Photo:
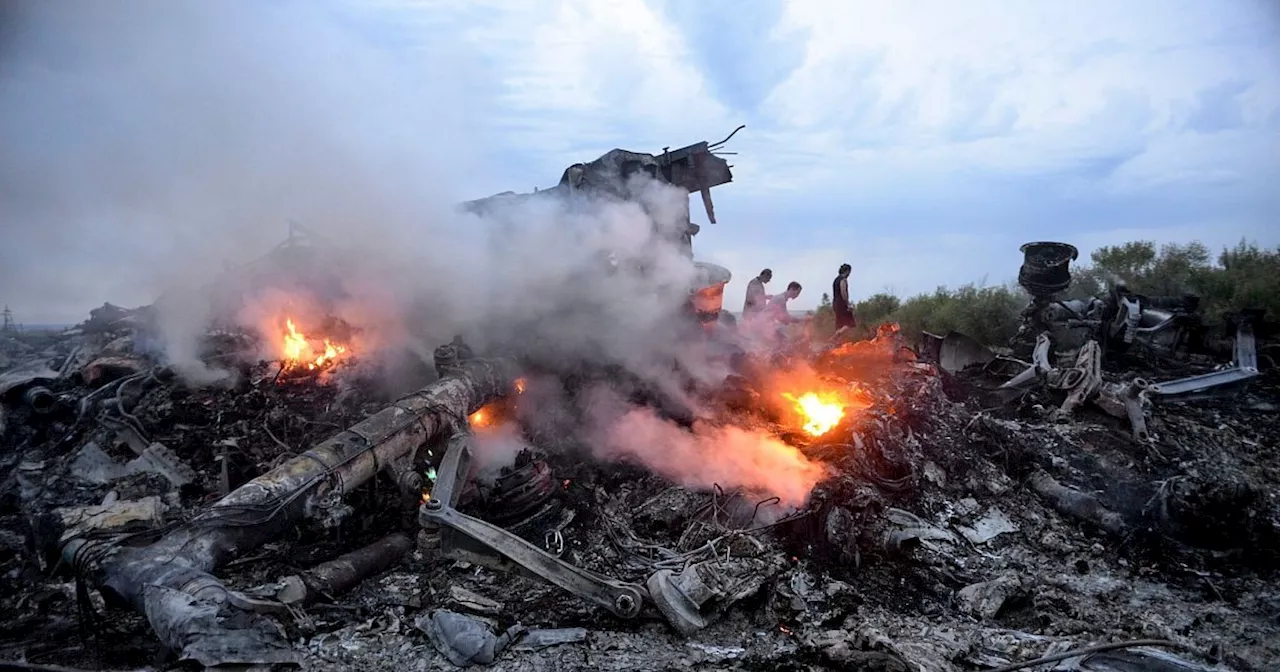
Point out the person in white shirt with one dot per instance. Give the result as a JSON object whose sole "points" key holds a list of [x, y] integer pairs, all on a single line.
{"points": [[757, 300], [777, 308]]}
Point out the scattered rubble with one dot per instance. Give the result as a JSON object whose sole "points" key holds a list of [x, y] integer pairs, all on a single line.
{"points": [[960, 524]]}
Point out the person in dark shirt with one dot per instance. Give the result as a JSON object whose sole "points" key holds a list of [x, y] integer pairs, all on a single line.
{"points": [[756, 298], [840, 299]]}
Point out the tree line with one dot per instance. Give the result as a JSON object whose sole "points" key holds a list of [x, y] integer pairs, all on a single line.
{"points": [[1246, 276]]}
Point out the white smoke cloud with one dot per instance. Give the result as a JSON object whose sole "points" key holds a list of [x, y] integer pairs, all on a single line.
{"points": [[712, 455], [181, 137]]}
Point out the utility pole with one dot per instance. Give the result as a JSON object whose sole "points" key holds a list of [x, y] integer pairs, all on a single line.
{"points": [[7, 327]]}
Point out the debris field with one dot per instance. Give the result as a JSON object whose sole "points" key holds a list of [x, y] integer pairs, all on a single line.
{"points": [[951, 528], [1102, 496]]}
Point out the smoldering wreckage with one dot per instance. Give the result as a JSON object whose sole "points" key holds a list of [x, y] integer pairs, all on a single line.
{"points": [[1099, 496]]}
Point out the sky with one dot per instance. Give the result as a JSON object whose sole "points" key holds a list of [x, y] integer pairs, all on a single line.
{"points": [[920, 142]]}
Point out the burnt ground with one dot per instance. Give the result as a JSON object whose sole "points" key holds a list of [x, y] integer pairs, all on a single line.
{"points": [[926, 548]]}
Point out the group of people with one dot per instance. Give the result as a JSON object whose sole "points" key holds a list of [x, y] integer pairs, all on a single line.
{"points": [[761, 307]]}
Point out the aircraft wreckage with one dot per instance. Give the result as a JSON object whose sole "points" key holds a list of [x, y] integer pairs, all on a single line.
{"points": [[943, 507]]}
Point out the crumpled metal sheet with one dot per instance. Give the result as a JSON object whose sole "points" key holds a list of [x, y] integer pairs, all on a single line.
{"points": [[464, 640], [20, 378], [213, 635]]}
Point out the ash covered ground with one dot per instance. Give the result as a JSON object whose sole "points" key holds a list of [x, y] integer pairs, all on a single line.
{"points": [[930, 541]]}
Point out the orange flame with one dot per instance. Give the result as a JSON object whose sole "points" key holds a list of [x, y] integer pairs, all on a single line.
{"points": [[480, 418], [820, 412], [294, 343], [520, 385], [298, 350]]}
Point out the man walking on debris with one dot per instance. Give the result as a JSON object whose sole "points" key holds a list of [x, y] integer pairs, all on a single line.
{"points": [[756, 298], [777, 310], [778, 304], [840, 300]]}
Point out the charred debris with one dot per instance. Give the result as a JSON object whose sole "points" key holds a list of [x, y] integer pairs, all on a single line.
{"points": [[1099, 496]]}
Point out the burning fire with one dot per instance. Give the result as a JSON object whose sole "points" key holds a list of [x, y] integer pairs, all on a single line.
{"points": [[299, 352], [820, 412], [495, 413], [481, 418]]}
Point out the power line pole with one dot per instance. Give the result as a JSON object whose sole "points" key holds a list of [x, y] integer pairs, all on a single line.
{"points": [[7, 327]]}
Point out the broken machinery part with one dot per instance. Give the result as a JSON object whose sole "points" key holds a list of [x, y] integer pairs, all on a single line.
{"points": [[1243, 368], [464, 537]]}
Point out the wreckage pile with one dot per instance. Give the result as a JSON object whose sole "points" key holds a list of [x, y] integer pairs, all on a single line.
{"points": [[955, 527]]}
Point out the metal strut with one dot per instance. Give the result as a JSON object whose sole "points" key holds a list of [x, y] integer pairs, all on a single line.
{"points": [[464, 537]]}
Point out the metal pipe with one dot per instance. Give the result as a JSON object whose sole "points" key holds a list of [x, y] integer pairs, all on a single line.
{"points": [[1078, 504], [341, 574]]}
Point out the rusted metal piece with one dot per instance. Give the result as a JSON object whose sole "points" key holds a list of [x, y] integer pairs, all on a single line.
{"points": [[154, 579], [106, 369]]}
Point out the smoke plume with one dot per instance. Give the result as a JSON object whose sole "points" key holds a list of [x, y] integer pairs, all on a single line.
{"points": [[156, 149], [711, 455]]}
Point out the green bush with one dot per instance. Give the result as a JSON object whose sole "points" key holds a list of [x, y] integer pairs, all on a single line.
{"points": [[1245, 276], [988, 314], [876, 308]]}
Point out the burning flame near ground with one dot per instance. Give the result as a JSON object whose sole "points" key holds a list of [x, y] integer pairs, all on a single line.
{"points": [[815, 404], [298, 351], [820, 412]]}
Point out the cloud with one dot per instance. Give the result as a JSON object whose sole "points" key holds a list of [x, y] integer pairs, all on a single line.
{"points": [[1043, 87], [919, 141], [146, 145]]}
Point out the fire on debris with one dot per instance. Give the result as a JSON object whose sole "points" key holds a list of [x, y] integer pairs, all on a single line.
{"points": [[865, 504], [481, 418], [820, 412], [300, 353]]}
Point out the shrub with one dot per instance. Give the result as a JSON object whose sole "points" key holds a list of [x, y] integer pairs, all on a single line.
{"points": [[1245, 276]]}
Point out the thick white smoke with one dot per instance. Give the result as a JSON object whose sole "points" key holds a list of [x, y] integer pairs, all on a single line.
{"points": [[173, 141]]}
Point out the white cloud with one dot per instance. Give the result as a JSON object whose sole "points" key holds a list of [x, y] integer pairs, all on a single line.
{"points": [[585, 76], [1114, 107], [1048, 83]]}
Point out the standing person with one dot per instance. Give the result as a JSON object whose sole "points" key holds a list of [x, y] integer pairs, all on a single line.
{"points": [[840, 299], [756, 298]]}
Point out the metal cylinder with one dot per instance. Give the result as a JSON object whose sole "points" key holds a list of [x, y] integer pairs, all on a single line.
{"points": [[1046, 267], [40, 399]]}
